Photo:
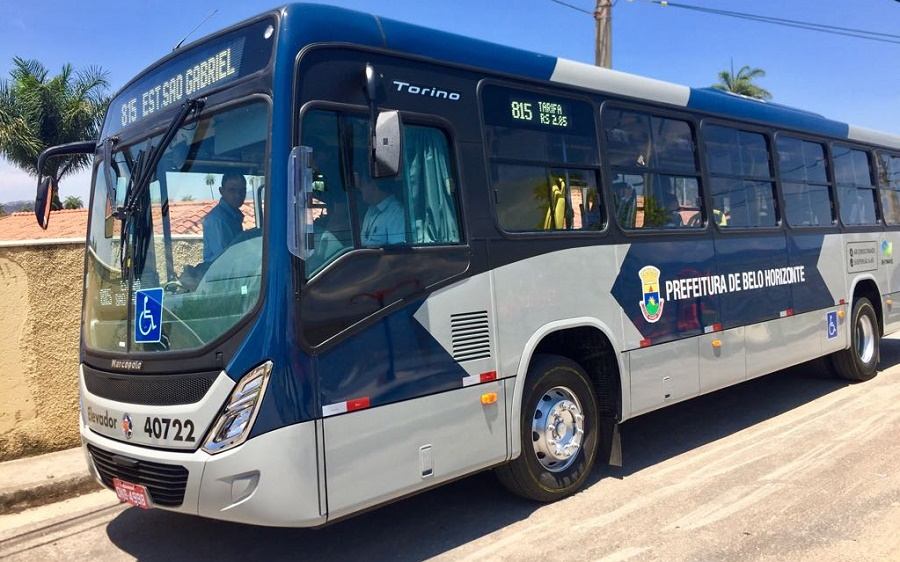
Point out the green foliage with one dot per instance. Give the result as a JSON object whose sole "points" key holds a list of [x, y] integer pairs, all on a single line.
{"points": [[73, 202], [2, 211], [187, 197], [38, 111], [655, 214], [742, 82]]}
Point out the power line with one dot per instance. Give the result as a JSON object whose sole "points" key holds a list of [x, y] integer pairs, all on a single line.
{"points": [[797, 24], [577, 9], [822, 28]]}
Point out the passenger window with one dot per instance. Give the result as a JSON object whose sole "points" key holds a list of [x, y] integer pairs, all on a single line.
{"points": [[856, 192], [656, 181], [545, 198], [350, 209], [544, 161], [889, 179], [805, 188], [742, 186]]}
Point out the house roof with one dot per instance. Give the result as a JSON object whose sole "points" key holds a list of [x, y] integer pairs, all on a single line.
{"points": [[185, 216]]}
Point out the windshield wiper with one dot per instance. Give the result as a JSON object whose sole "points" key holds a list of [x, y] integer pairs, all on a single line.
{"points": [[145, 172], [137, 231]]}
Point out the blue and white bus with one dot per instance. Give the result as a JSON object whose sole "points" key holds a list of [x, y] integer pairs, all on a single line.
{"points": [[446, 256]]}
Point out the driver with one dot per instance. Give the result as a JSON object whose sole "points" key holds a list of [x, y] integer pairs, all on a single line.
{"points": [[225, 222]]}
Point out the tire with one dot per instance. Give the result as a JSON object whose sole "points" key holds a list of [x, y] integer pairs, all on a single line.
{"points": [[859, 362], [556, 388]]}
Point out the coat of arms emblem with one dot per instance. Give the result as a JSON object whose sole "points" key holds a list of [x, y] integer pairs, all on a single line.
{"points": [[651, 303]]}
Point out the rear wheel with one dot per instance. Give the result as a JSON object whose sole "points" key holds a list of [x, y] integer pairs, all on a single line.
{"points": [[859, 362], [558, 430]]}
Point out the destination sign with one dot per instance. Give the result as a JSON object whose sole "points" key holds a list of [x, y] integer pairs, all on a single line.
{"points": [[542, 112], [214, 70], [204, 67]]}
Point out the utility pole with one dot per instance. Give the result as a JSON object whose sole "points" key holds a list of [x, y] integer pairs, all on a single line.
{"points": [[603, 17]]}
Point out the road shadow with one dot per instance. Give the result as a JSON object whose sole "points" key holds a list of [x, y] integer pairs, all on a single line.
{"points": [[437, 521]]}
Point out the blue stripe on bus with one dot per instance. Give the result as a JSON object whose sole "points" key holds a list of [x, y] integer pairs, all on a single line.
{"points": [[315, 24], [445, 46], [739, 108], [392, 360], [745, 266]]}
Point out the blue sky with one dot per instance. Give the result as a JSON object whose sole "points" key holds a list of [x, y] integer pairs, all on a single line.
{"points": [[847, 79]]}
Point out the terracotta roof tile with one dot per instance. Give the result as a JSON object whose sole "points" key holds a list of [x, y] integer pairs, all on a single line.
{"points": [[186, 217]]}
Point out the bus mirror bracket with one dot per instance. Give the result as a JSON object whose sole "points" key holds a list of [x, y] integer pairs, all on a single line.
{"points": [[44, 198], [385, 132]]}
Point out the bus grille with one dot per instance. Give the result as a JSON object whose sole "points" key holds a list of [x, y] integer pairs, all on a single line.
{"points": [[471, 333], [164, 482], [149, 390]]}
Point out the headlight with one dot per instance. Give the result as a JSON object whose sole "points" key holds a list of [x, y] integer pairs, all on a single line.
{"points": [[236, 419]]}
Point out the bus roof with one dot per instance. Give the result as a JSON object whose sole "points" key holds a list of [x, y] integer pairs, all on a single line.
{"points": [[318, 24]]}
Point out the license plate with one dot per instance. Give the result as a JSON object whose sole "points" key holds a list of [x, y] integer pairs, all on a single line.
{"points": [[133, 494]]}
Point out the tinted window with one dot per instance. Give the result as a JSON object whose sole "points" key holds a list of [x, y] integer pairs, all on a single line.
{"points": [[889, 179], [529, 126], [807, 199], [544, 161], [856, 193], [655, 180], [419, 207], [742, 187], [533, 198]]}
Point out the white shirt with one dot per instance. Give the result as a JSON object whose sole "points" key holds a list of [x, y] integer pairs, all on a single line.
{"points": [[383, 223]]}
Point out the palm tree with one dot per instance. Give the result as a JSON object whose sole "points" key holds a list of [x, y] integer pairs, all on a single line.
{"points": [[211, 181], [742, 82], [73, 202], [37, 111]]}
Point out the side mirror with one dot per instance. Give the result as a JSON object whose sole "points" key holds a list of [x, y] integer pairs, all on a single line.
{"points": [[42, 202], [387, 143], [300, 188]]}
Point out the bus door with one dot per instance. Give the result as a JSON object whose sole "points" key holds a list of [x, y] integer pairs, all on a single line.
{"points": [[402, 345]]}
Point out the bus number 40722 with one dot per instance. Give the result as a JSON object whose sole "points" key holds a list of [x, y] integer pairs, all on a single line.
{"points": [[159, 428]]}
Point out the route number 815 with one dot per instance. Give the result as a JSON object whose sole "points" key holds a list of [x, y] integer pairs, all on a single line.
{"points": [[159, 428]]}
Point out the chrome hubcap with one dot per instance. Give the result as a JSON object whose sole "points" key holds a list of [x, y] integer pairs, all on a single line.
{"points": [[557, 429], [865, 339]]}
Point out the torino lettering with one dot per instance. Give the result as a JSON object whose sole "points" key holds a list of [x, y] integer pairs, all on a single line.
{"points": [[423, 91]]}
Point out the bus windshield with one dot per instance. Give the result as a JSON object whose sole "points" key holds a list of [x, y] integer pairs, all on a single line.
{"points": [[187, 250]]}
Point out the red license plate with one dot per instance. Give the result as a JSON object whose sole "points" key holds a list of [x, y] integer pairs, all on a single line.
{"points": [[134, 494]]}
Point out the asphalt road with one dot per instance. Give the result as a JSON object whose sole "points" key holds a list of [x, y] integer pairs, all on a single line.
{"points": [[793, 466]]}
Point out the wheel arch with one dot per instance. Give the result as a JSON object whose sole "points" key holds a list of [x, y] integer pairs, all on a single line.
{"points": [[867, 287], [589, 343]]}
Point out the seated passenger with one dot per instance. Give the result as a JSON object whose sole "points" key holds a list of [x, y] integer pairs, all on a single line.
{"points": [[673, 211], [384, 221], [225, 222], [333, 235]]}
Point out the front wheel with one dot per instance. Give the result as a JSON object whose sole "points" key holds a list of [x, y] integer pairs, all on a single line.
{"points": [[558, 431], [859, 362]]}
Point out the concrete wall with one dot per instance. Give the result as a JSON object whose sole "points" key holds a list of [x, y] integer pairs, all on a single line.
{"points": [[40, 311]]}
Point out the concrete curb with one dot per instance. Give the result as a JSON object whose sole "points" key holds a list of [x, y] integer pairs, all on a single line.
{"points": [[43, 479], [54, 490]]}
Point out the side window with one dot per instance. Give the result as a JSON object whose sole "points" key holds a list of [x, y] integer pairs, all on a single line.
{"points": [[856, 192], [889, 179], [351, 209], [544, 161], [742, 186], [656, 181], [804, 182]]}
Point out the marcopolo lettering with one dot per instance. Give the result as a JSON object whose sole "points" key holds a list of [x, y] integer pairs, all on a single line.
{"points": [[426, 91], [103, 420]]}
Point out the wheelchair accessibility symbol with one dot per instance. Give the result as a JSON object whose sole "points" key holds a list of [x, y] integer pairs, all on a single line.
{"points": [[831, 321], [148, 316]]}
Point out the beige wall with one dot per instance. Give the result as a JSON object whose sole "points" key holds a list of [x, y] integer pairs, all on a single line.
{"points": [[40, 309]]}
